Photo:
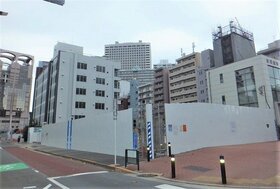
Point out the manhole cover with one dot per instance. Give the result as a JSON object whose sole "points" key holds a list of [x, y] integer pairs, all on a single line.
{"points": [[197, 168]]}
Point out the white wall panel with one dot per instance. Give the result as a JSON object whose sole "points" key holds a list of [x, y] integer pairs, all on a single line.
{"points": [[94, 134], [216, 125]]}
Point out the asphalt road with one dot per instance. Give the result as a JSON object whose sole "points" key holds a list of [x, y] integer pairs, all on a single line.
{"points": [[16, 174], [26, 169]]}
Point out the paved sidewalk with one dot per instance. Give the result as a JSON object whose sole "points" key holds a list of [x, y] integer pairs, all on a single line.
{"points": [[246, 165]]}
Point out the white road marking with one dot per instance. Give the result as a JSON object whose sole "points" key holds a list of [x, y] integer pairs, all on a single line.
{"points": [[166, 186], [29, 187], [80, 174], [47, 187], [1, 148], [52, 179], [58, 183], [36, 170]]}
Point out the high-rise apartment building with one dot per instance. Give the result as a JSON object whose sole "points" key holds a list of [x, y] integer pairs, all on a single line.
{"points": [[74, 86], [207, 59], [131, 55], [273, 50], [143, 76], [161, 90], [182, 79], [232, 43], [15, 88], [146, 94], [164, 64]]}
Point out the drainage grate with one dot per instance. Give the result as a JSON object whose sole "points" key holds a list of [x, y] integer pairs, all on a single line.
{"points": [[197, 168]]}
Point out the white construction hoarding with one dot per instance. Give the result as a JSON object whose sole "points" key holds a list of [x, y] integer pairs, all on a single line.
{"points": [[93, 134], [192, 126]]}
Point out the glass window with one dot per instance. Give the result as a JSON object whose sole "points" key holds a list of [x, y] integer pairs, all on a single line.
{"points": [[270, 71], [246, 87]]}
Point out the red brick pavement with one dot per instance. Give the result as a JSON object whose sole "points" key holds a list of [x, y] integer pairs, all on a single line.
{"points": [[51, 165], [251, 164]]}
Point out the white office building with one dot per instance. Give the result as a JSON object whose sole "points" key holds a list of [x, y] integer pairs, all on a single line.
{"points": [[253, 82], [75, 85], [130, 55]]}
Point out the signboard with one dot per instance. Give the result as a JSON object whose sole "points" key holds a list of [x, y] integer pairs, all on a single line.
{"points": [[135, 141]]}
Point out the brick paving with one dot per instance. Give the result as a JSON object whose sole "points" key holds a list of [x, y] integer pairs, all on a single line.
{"points": [[251, 165], [246, 165]]}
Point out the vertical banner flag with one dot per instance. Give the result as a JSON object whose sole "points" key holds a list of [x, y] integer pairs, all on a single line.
{"points": [[150, 132]]}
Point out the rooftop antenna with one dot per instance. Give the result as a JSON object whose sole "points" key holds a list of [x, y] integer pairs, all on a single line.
{"points": [[193, 46], [181, 51]]}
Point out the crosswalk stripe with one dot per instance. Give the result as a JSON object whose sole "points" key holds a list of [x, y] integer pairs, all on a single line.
{"points": [[47, 187]]}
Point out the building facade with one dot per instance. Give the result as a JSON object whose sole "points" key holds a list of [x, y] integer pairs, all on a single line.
{"points": [[273, 50], [40, 93], [77, 85], [143, 76], [207, 59], [164, 64], [161, 90], [146, 93], [232, 43], [130, 55], [183, 79], [133, 97], [254, 82], [15, 84]]}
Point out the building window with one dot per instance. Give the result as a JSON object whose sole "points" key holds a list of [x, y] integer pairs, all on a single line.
{"points": [[79, 116], [221, 78], [81, 91], [80, 105], [99, 106], [100, 69], [116, 95], [223, 99], [99, 93], [116, 72], [274, 76], [246, 87], [82, 65], [100, 81], [81, 78], [116, 84]]}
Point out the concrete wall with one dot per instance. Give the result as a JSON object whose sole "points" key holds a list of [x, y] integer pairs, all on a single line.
{"points": [[216, 125], [94, 134]]}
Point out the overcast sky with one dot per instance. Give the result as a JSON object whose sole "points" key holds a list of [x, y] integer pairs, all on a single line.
{"points": [[35, 26]]}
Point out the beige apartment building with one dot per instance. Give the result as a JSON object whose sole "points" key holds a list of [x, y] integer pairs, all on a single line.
{"points": [[182, 79]]}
